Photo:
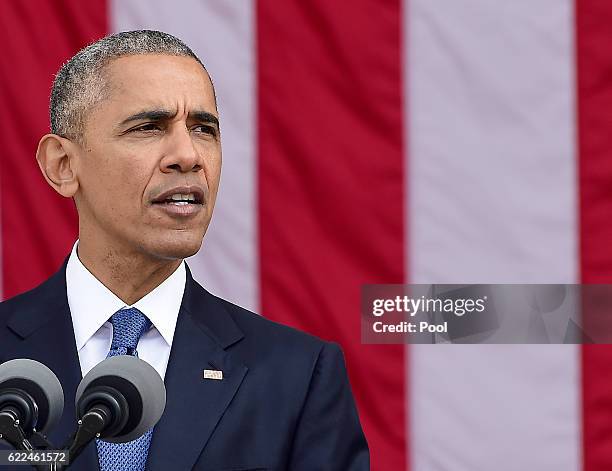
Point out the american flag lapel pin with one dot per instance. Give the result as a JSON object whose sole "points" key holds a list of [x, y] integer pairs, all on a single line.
{"points": [[213, 374]]}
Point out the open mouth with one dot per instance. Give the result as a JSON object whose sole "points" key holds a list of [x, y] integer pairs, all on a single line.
{"points": [[181, 202], [180, 199]]}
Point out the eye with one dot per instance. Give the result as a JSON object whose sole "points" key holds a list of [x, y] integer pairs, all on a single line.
{"points": [[205, 129], [146, 127]]}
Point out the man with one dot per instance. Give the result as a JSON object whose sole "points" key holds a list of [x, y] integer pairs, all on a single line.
{"points": [[136, 143]]}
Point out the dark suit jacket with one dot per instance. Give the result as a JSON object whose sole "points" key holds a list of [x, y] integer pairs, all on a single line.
{"points": [[284, 402]]}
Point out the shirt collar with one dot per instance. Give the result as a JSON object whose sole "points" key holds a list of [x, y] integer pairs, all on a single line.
{"points": [[92, 304]]}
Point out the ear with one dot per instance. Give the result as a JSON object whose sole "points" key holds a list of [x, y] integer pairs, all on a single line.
{"points": [[57, 162]]}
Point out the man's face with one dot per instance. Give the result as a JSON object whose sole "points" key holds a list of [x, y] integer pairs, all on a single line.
{"points": [[150, 162]]}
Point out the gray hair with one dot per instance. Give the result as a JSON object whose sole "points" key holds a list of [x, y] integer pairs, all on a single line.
{"points": [[79, 84]]}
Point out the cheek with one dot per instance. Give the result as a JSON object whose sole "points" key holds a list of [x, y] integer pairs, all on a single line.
{"points": [[213, 169], [114, 184]]}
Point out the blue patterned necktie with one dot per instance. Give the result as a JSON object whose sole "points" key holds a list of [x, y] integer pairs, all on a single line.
{"points": [[128, 327]]}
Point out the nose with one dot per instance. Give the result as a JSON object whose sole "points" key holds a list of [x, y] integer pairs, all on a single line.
{"points": [[180, 154]]}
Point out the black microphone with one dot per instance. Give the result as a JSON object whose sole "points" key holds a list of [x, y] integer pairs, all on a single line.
{"points": [[118, 401], [31, 400]]}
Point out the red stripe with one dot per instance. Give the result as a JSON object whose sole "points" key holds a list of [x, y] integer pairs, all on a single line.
{"points": [[594, 63], [38, 226], [331, 187]]}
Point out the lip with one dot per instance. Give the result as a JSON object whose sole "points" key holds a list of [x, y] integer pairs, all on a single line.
{"points": [[180, 210], [197, 191]]}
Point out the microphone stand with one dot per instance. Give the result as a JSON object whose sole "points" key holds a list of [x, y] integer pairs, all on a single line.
{"points": [[12, 432], [89, 428]]}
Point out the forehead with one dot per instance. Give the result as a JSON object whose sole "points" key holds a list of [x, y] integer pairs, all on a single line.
{"points": [[158, 80]]}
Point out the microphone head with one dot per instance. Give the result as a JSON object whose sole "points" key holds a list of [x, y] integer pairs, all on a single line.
{"points": [[41, 384], [142, 389]]}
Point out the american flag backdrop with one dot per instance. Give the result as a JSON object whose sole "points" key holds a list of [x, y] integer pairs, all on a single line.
{"points": [[376, 141]]}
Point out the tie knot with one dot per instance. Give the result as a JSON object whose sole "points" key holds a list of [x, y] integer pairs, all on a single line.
{"points": [[128, 327]]}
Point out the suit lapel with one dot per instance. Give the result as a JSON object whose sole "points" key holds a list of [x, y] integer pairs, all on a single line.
{"points": [[45, 328], [195, 405]]}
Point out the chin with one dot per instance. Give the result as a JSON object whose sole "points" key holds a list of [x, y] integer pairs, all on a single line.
{"points": [[176, 248]]}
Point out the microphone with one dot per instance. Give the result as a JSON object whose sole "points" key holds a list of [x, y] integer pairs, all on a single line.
{"points": [[118, 401], [31, 400]]}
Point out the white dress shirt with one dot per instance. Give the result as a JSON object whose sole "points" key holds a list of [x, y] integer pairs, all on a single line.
{"points": [[92, 304]]}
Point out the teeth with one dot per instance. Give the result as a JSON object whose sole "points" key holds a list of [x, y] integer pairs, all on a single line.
{"points": [[182, 197]]}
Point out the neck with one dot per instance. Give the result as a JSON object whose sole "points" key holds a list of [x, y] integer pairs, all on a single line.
{"points": [[130, 276]]}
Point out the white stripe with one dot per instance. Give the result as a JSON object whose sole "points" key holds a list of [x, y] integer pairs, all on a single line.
{"points": [[491, 198], [222, 35]]}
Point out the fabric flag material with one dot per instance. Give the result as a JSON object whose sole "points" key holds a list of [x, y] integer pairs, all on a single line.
{"points": [[377, 142]]}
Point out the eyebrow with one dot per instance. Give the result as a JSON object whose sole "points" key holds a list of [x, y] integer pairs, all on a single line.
{"points": [[162, 115]]}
